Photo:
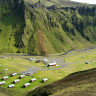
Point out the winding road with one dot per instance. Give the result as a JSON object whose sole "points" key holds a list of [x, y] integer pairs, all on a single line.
{"points": [[60, 60]]}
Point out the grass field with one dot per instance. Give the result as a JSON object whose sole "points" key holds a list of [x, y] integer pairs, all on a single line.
{"points": [[24, 80], [59, 74], [2, 94], [17, 65], [81, 83], [81, 57], [20, 65]]}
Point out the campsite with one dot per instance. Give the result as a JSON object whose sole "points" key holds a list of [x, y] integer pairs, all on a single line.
{"points": [[47, 48], [69, 63]]}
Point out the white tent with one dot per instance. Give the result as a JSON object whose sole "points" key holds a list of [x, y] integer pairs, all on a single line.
{"points": [[10, 86]]}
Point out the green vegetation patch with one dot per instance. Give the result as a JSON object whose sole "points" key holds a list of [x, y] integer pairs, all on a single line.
{"points": [[17, 65], [81, 57]]}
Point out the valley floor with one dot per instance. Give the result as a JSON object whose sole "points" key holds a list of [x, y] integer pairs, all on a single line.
{"points": [[69, 63]]}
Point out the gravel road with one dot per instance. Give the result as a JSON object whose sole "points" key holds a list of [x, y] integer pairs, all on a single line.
{"points": [[32, 70], [59, 60]]}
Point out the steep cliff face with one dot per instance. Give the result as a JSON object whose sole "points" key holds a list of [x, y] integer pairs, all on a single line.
{"points": [[12, 25], [36, 28]]}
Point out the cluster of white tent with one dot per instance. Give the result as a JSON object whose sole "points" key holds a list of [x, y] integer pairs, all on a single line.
{"points": [[34, 79], [18, 80], [22, 76], [15, 81]]}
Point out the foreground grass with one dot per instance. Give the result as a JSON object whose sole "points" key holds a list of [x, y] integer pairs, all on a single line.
{"points": [[78, 90], [12, 92], [3, 94], [82, 83], [75, 86]]}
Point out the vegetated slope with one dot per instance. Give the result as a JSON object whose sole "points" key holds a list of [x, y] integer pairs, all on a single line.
{"points": [[77, 84], [11, 92], [40, 28], [11, 25]]}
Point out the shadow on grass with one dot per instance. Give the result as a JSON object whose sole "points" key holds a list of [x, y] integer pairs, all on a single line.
{"points": [[19, 78], [22, 86], [11, 76], [2, 79], [12, 82], [29, 81], [41, 82]]}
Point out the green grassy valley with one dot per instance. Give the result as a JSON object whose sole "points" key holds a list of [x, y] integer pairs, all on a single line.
{"points": [[74, 64], [59, 31]]}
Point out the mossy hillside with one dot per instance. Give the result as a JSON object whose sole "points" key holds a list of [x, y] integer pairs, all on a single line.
{"points": [[57, 34], [42, 30], [11, 26], [9, 35]]}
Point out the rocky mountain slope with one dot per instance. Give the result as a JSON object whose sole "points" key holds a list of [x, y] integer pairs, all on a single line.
{"points": [[44, 27]]}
